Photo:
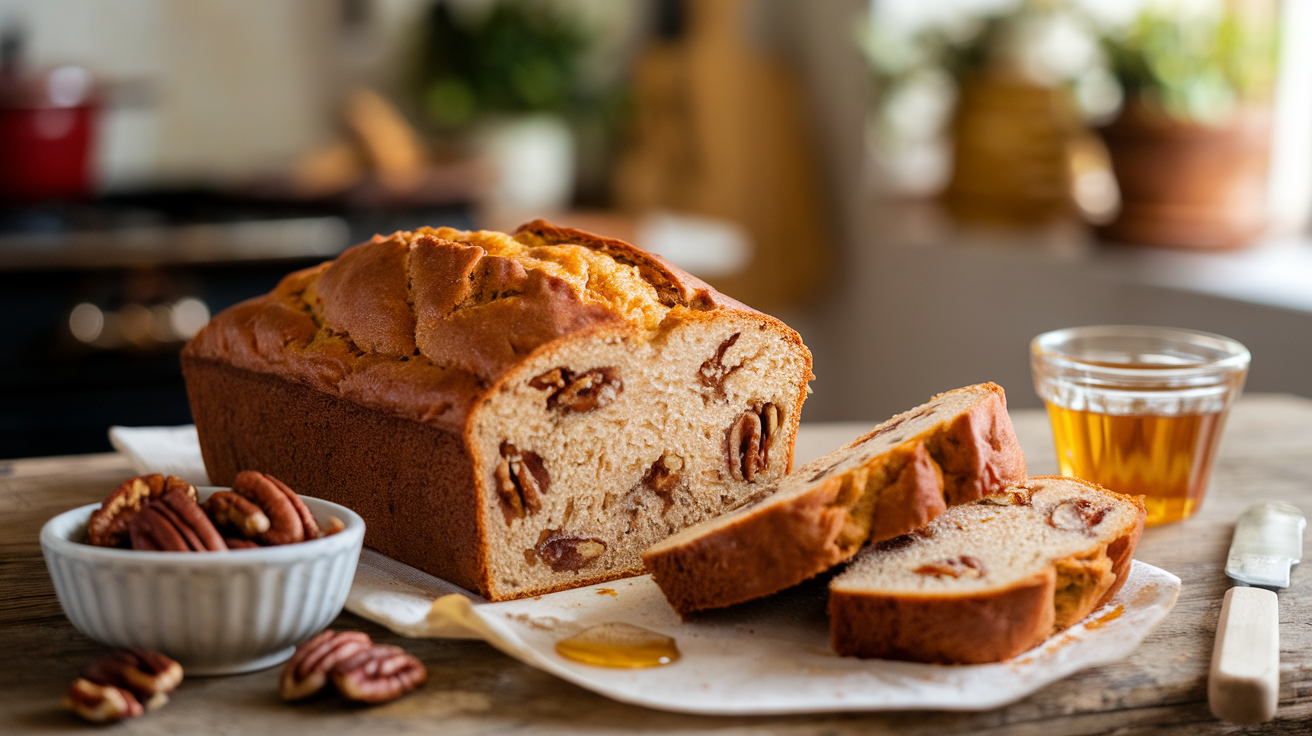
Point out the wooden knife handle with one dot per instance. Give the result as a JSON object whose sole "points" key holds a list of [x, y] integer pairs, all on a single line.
{"points": [[1244, 683]]}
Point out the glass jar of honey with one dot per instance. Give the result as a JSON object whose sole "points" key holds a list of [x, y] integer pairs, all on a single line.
{"points": [[1139, 410]]}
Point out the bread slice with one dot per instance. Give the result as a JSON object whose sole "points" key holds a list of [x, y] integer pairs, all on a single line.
{"points": [[988, 580], [896, 478]]}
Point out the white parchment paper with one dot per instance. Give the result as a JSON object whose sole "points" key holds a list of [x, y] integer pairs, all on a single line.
{"points": [[770, 656]]}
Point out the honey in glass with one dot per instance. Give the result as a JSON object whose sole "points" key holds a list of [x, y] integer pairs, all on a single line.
{"points": [[1139, 410], [1166, 459]]}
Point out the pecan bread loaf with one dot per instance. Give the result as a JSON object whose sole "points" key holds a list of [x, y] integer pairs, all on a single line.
{"points": [[897, 477], [515, 414], [988, 580]]}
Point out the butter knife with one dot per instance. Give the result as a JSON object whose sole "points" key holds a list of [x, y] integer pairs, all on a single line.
{"points": [[1244, 682]]}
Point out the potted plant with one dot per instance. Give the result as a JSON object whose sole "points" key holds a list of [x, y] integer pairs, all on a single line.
{"points": [[501, 76], [1190, 148]]}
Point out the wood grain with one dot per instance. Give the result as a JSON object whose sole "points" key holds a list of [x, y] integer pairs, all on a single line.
{"points": [[1160, 689]]}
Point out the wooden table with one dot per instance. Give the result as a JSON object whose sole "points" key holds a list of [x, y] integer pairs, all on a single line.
{"points": [[472, 688]]}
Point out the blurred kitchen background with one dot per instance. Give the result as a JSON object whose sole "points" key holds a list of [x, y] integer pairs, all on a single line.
{"points": [[918, 186]]}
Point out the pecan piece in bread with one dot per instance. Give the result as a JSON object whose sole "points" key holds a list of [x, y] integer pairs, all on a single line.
{"points": [[307, 672], [521, 479], [108, 526], [749, 441], [579, 393], [713, 372], [567, 551], [174, 523], [1077, 515], [378, 674], [289, 519]]}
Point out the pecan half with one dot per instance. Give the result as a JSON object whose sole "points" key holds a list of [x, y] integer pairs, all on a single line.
{"points": [[101, 703], [232, 510], [563, 552], [1077, 515], [115, 686], [108, 526], [713, 372], [150, 676], [578, 393], [307, 672], [964, 566], [174, 523], [289, 519], [521, 481], [749, 439], [378, 674]]}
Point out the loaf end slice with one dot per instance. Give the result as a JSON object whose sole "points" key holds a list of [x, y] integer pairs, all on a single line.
{"points": [[988, 580], [896, 478]]}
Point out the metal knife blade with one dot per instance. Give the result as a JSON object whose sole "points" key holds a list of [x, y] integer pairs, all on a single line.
{"points": [[1268, 540]]}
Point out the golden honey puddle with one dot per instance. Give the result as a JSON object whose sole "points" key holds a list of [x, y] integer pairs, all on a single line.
{"points": [[1106, 618], [618, 645]]}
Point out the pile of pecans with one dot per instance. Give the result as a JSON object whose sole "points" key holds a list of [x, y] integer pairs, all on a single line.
{"points": [[161, 513], [358, 668], [124, 684]]}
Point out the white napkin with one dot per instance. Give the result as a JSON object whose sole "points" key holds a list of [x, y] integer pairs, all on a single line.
{"points": [[768, 656], [167, 450]]}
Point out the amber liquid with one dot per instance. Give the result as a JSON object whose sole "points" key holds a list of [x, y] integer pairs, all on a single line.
{"points": [[1167, 459], [619, 645]]}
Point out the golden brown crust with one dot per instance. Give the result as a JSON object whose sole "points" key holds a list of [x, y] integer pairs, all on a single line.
{"points": [[755, 556], [902, 490], [940, 629], [411, 482]]}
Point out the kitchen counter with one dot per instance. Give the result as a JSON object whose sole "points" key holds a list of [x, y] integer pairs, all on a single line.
{"points": [[472, 688]]}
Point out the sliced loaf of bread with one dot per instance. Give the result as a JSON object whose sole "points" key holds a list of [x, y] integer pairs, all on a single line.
{"points": [[990, 579], [896, 478]]}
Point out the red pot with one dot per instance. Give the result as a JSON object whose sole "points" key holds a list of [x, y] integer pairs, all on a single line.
{"points": [[46, 125], [1189, 185]]}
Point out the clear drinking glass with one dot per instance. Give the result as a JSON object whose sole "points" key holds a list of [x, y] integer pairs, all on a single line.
{"points": [[1139, 410]]}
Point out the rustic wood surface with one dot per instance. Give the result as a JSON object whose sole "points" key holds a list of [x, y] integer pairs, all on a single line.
{"points": [[1160, 688]]}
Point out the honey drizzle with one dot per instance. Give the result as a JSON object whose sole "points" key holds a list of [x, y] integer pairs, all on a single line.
{"points": [[1106, 618], [619, 645]]}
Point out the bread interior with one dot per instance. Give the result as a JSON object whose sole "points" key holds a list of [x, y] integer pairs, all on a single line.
{"points": [[652, 461]]}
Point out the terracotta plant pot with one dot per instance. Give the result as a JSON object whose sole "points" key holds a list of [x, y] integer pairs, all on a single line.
{"points": [[1188, 185]]}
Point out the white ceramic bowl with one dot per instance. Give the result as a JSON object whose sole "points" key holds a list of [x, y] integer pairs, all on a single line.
{"points": [[215, 612]]}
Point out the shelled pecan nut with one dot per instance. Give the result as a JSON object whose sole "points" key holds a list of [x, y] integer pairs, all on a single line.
{"points": [[108, 525], [232, 510], [289, 519], [1077, 515], [582, 392], [308, 670], [521, 481], [378, 674], [749, 441], [564, 552], [174, 522], [123, 684], [101, 703], [964, 566], [150, 676]]}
